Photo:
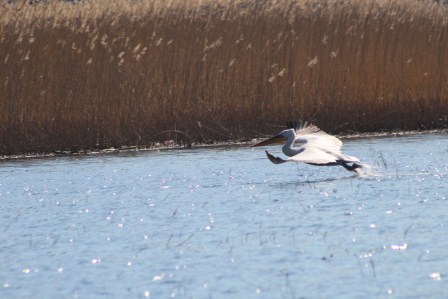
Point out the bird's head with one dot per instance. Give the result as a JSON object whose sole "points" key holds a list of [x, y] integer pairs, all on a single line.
{"points": [[277, 139]]}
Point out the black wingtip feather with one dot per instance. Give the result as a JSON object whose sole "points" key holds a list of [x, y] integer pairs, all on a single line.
{"points": [[292, 125], [296, 125]]}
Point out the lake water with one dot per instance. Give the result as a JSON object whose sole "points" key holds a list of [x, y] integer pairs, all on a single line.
{"points": [[226, 223]]}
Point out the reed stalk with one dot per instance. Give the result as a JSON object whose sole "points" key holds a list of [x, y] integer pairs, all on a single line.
{"points": [[100, 74]]}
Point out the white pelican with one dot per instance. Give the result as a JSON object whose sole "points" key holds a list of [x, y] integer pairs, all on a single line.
{"points": [[317, 147]]}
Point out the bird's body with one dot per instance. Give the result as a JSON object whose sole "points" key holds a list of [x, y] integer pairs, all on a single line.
{"points": [[308, 144]]}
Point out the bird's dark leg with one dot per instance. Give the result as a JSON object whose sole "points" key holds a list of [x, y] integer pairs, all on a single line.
{"points": [[342, 163], [352, 167], [275, 160]]}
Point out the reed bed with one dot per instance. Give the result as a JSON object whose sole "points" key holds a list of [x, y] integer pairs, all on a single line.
{"points": [[100, 74]]}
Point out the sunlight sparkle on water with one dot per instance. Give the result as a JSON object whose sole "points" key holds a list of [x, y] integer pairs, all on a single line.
{"points": [[435, 276], [250, 229], [399, 247], [158, 277]]}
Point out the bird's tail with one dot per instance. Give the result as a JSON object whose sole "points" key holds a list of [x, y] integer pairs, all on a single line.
{"points": [[350, 159]]}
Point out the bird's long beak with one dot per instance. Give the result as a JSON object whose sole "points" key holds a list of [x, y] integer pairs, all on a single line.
{"points": [[273, 140]]}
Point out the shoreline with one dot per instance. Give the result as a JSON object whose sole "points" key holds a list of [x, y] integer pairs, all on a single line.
{"points": [[160, 147], [91, 76]]}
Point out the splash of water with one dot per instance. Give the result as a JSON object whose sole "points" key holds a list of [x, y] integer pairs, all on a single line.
{"points": [[366, 171]]}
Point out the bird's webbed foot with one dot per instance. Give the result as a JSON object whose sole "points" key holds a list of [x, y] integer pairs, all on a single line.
{"points": [[352, 167], [275, 160]]}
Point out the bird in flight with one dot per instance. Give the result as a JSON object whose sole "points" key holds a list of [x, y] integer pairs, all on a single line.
{"points": [[304, 142]]}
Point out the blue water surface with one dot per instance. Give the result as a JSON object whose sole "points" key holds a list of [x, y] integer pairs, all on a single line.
{"points": [[226, 223]]}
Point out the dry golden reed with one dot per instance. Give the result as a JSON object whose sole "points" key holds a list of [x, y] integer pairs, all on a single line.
{"points": [[101, 74]]}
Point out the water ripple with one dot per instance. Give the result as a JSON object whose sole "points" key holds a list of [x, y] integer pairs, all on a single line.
{"points": [[226, 222]]}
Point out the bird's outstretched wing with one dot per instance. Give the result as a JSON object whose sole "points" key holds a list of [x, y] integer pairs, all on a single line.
{"points": [[302, 128], [313, 155], [315, 137]]}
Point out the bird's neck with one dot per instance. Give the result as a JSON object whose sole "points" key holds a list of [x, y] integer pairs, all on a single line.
{"points": [[288, 149]]}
